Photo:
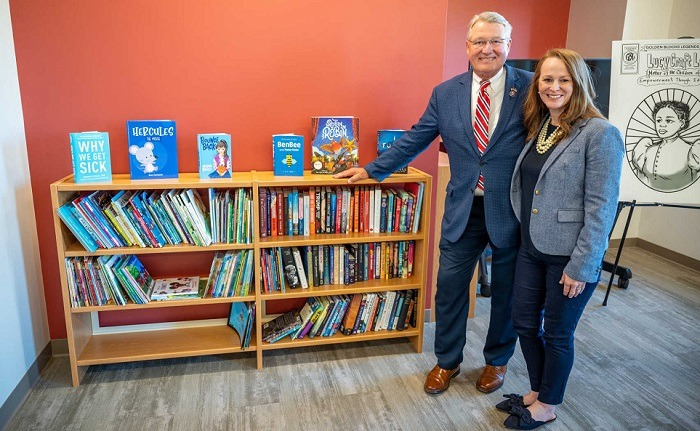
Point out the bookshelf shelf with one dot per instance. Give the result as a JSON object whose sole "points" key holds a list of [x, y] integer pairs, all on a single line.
{"points": [[338, 338], [164, 304], [76, 249], [160, 344], [341, 289], [332, 239], [88, 345]]}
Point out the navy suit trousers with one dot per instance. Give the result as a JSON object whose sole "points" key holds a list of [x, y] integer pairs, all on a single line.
{"points": [[548, 347], [457, 262]]}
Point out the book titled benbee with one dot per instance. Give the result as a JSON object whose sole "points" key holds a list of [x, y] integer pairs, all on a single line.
{"points": [[385, 138], [334, 143], [90, 154], [288, 155], [152, 149], [214, 155]]}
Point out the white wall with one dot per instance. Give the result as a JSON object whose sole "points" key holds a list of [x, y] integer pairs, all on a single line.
{"points": [[671, 228], [24, 331]]}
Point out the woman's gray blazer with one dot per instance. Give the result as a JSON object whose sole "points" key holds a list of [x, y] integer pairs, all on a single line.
{"points": [[575, 198]]}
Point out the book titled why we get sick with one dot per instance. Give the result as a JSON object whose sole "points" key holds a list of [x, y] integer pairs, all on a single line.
{"points": [[90, 155], [152, 149]]}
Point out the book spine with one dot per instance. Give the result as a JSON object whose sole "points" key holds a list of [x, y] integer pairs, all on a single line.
{"points": [[300, 268], [263, 212]]}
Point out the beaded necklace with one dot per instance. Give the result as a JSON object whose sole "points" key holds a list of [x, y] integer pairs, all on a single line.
{"points": [[544, 143]]}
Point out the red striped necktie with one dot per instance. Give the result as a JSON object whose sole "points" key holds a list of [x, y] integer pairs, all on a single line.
{"points": [[481, 123]]}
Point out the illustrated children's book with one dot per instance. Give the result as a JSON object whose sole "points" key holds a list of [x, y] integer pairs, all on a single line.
{"points": [[384, 140], [152, 149], [288, 155], [214, 155], [175, 288], [91, 160], [241, 319], [334, 143]]}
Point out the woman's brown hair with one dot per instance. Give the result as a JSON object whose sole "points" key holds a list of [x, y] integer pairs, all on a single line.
{"points": [[581, 103]]}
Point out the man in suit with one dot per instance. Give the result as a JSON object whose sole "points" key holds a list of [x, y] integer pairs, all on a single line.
{"points": [[479, 116]]}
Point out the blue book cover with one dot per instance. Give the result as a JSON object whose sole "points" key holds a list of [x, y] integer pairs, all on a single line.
{"points": [[384, 140], [238, 319], [90, 155], [152, 149], [334, 144], [67, 214], [214, 155], [288, 155]]}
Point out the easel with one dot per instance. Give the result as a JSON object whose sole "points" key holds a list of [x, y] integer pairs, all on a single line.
{"points": [[623, 273]]}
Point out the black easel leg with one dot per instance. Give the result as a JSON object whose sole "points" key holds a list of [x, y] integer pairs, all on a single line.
{"points": [[619, 250]]}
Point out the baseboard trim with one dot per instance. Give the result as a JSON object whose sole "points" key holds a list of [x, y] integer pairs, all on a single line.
{"points": [[59, 347], [629, 242], [21, 391], [658, 250]]}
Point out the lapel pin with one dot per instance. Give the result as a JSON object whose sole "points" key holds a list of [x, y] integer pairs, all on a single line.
{"points": [[513, 92]]}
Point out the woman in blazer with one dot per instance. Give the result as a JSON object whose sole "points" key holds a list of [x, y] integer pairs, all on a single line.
{"points": [[564, 191]]}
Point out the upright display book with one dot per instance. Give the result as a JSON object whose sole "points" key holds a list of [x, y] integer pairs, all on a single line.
{"points": [[384, 140], [334, 143], [214, 155], [166, 289], [152, 149], [288, 155], [90, 155]]}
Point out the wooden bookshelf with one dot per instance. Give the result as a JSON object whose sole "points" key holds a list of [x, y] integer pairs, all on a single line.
{"points": [[88, 346]]}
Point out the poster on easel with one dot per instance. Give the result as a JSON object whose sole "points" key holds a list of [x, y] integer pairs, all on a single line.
{"points": [[655, 102]]}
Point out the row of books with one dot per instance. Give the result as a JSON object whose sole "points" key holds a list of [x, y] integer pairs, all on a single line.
{"points": [[324, 316], [318, 265], [153, 154], [231, 274], [340, 210], [118, 279], [107, 280], [231, 215], [242, 319], [106, 219]]}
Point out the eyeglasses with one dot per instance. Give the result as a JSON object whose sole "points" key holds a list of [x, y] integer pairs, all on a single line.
{"points": [[495, 43]]}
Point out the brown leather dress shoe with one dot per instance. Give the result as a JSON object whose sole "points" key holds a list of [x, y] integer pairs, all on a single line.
{"points": [[438, 380], [491, 379]]}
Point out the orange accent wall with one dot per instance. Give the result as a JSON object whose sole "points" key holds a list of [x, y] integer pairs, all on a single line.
{"points": [[248, 68]]}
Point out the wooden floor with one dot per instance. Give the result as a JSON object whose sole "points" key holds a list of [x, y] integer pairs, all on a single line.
{"points": [[637, 368]]}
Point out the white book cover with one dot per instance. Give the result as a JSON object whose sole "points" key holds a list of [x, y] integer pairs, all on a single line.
{"points": [[175, 288], [300, 268]]}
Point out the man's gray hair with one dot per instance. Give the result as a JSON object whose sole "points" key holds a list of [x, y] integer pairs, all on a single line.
{"points": [[493, 18]]}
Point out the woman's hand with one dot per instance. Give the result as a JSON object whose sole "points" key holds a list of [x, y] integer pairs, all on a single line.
{"points": [[572, 288], [355, 174]]}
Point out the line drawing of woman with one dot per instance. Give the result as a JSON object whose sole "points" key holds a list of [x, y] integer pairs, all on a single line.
{"points": [[669, 163], [222, 161]]}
